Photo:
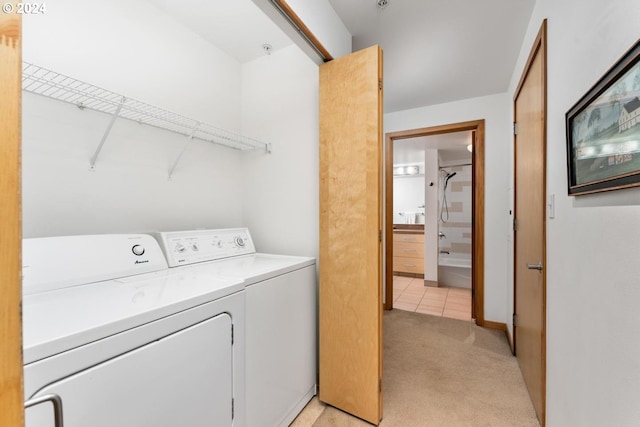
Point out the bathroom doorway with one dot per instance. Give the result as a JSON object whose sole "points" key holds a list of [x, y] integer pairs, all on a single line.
{"points": [[442, 168]]}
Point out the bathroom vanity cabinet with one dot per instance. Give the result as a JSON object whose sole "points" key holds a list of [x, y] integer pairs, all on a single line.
{"points": [[408, 251]]}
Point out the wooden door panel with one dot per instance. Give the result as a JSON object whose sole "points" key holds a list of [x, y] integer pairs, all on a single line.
{"points": [[530, 176], [350, 304]]}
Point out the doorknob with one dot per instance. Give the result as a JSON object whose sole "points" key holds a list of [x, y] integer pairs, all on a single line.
{"points": [[537, 266]]}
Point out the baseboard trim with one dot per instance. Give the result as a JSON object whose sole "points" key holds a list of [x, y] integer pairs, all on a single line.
{"points": [[495, 325], [510, 338], [500, 327], [414, 275]]}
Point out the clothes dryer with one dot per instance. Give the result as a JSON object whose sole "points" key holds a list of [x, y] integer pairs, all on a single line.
{"points": [[112, 337]]}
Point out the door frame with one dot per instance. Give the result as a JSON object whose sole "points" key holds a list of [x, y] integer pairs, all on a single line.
{"points": [[539, 46], [477, 240]]}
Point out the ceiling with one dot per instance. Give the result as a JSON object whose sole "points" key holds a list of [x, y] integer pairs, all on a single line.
{"points": [[439, 51], [435, 51], [237, 27]]}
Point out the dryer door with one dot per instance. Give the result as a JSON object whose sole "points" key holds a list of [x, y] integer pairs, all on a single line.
{"points": [[184, 379]]}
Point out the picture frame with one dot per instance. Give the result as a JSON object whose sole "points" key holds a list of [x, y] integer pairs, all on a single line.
{"points": [[603, 131]]}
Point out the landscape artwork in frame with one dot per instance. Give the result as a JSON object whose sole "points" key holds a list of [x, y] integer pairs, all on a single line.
{"points": [[603, 131]]}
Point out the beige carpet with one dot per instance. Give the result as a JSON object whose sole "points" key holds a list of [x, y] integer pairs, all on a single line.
{"points": [[444, 373]]}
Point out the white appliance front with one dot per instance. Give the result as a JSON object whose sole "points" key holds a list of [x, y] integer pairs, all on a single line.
{"points": [[281, 347], [151, 385], [281, 316], [144, 350]]}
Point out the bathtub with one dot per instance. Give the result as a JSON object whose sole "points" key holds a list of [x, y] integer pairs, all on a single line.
{"points": [[454, 270]]}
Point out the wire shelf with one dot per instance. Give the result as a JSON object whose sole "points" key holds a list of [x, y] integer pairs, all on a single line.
{"points": [[41, 81]]}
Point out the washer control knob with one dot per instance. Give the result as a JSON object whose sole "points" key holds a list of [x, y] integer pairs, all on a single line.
{"points": [[137, 250], [180, 247], [195, 247], [220, 243], [239, 241]]}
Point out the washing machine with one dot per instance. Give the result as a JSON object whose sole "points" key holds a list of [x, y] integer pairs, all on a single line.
{"points": [[281, 316], [112, 337]]}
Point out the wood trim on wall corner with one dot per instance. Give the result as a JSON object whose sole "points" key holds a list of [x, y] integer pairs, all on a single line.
{"points": [[11, 375], [510, 339], [302, 28], [388, 222], [478, 220]]}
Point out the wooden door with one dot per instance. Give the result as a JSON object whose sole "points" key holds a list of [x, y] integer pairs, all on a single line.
{"points": [[350, 260], [530, 195], [11, 394]]}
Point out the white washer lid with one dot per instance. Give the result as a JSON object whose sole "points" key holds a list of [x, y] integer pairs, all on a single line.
{"points": [[63, 319], [252, 268]]}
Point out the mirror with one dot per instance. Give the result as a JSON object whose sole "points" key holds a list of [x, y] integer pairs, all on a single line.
{"points": [[408, 194]]}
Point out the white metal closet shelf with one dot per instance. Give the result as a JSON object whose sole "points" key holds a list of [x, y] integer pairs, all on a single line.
{"points": [[41, 81]]}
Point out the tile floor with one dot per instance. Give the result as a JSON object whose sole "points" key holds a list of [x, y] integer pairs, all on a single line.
{"points": [[412, 295]]}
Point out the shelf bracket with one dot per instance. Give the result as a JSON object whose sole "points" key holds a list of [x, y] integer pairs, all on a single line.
{"points": [[94, 158], [184, 148]]}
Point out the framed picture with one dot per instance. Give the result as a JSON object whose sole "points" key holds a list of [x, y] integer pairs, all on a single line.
{"points": [[603, 131]]}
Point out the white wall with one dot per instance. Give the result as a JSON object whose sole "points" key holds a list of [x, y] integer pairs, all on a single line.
{"points": [[431, 215], [133, 49], [495, 110], [281, 195], [593, 273], [129, 189]]}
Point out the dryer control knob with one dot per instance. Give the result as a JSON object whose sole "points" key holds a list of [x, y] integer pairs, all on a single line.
{"points": [[138, 250], [239, 241], [180, 247]]}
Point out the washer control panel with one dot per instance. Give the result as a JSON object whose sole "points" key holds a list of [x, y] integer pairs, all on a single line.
{"points": [[64, 261], [189, 247]]}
